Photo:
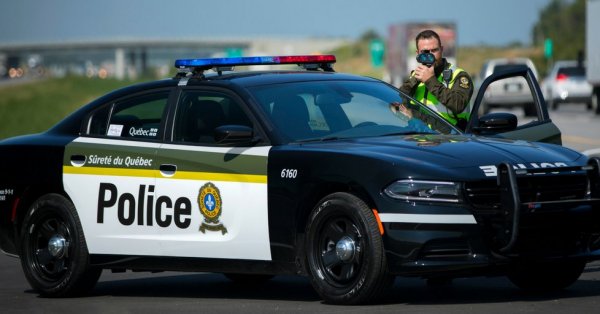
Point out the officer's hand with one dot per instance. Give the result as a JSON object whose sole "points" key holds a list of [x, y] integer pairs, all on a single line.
{"points": [[423, 73], [396, 107], [407, 112]]}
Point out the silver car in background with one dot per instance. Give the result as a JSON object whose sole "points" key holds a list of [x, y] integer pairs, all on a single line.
{"points": [[566, 83], [511, 92]]}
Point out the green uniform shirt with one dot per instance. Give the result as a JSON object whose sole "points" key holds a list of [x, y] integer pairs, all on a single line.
{"points": [[455, 99]]}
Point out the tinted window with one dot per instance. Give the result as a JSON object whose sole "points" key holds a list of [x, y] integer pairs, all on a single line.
{"points": [[504, 67], [137, 117], [199, 113], [320, 109], [572, 71]]}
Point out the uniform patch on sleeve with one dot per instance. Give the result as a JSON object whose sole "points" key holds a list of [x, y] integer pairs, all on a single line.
{"points": [[464, 82]]}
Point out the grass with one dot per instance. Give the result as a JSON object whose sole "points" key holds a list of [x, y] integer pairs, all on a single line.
{"points": [[35, 106]]}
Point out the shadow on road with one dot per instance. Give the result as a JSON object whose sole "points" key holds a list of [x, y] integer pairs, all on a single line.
{"points": [[294, 288]]}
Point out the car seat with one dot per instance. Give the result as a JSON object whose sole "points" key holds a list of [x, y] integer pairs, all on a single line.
{"points": [[290, 114]]}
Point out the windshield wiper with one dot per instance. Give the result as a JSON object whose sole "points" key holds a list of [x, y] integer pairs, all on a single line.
{"points": [[319, 139], [408, 133]]}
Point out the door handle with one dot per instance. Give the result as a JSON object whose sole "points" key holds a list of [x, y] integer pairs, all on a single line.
{"points": [[168, 170], [78, 160]]}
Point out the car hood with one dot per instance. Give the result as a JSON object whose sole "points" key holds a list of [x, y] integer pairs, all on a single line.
{"points": [[458, 151]]}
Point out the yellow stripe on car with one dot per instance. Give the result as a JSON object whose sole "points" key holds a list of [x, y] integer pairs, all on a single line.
{"points": [[182, 175]]}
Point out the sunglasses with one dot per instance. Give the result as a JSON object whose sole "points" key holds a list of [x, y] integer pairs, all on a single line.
{"points": [[434, 50]]}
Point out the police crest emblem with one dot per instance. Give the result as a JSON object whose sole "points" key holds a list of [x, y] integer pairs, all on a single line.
{"points": [[464, 82], [211, 206]]}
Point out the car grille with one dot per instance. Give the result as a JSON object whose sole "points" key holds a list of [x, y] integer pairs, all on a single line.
{"points": [[547, 232], [484, 196]]}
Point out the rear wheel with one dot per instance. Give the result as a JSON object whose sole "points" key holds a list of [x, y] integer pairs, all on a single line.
{"points": [[53, 251], [594, 102], [546, 276], [345, 254]]}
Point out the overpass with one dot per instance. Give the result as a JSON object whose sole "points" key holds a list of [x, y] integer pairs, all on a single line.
{"points": [[130, 57]]}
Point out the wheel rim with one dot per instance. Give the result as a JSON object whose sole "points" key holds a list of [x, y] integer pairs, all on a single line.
{"points": [[49, 247], [339, 250]]}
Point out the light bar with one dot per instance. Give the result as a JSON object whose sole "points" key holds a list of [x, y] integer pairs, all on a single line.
{"points": [[218, 62]]}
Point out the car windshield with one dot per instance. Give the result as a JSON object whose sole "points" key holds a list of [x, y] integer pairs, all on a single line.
{"points": [[505, 67], [572, 71], [327, 110]]}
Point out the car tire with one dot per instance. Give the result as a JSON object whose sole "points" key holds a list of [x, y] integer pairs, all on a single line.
{"points": [[53, 251], [345, 254], [545, 277], [595, 102], [248, 279]]}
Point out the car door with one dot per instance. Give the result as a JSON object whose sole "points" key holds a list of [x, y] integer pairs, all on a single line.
{"points": [[109, 173], [217, 187], [537, 126]]}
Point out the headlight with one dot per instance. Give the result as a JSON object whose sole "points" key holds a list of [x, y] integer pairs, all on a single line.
{"points": [[431, 191]]}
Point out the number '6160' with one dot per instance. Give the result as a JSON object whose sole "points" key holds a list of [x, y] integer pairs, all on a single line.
{"points": [[289, 173]]}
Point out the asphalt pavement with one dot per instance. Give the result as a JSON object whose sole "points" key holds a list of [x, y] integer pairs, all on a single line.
{"points": [[212, 293]]}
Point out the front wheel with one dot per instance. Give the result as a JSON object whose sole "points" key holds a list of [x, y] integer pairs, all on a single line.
{"points": [[53, 251], [345, 254], [546, 276]]}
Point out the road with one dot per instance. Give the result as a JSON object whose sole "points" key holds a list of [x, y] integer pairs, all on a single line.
{"points": [[580, 128], [212, 293]]}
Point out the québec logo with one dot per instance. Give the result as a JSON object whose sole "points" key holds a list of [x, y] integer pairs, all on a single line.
{"points": [[143, 132]]}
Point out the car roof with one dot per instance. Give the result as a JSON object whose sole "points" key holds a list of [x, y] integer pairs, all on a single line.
{"points": [[509, 60], [255, 78], [567, 63], [488, 67]]}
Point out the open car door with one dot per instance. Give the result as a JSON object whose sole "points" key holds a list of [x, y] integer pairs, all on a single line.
{"points": [[536, 126]]}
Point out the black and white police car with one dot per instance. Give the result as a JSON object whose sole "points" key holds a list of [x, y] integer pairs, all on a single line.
{"points": [[309, 172]]}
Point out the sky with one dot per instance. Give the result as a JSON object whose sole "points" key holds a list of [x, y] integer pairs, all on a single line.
{"points": [[490, 22]]}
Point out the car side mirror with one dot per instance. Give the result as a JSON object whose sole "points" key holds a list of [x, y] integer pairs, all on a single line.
{"points": [[497, 122], [234, 134]]}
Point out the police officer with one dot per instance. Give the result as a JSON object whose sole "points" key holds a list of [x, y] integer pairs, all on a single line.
{"points": [[442, 86]]}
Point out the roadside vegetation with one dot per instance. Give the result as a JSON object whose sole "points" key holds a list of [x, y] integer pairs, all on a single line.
{"points": [[37, 105]]}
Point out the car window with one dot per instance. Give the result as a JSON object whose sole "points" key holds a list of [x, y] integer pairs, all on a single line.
{"points": [[504, 67], [343, 109], [572, 71], [199, 113], [139, 117]]}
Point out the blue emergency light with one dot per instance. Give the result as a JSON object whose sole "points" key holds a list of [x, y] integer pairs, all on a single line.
{"points": [[240, 61]]}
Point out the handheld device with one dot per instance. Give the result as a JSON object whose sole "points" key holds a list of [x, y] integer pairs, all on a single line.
{"points": [[426, 58]]}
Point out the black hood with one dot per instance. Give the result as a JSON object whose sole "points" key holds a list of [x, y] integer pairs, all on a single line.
{"points": [[447, 153]]}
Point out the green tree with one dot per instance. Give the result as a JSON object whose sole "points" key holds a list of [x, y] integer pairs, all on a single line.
{"points": [[563, 21]]}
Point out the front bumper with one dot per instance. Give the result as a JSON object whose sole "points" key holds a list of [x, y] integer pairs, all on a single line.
{"points": [[518, 230]]}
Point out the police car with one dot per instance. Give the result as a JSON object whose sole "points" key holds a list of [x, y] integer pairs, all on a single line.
{"points": [[304, 171]]}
